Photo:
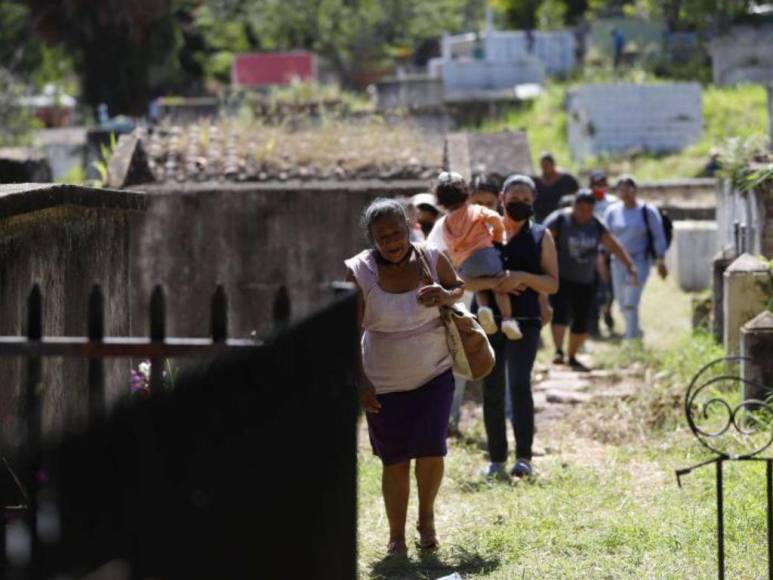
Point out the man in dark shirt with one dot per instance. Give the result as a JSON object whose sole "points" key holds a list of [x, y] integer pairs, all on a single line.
{"points": [[552, 185]]}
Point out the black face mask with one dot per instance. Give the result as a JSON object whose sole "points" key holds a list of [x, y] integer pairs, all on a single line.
{"points": [[426, 227], [519, 210]]}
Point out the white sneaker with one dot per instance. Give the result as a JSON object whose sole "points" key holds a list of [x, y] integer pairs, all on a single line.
{"points": [[486, 319], [511, 329]]}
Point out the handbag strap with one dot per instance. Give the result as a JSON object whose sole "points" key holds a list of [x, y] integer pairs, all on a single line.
{"points": [[426, 273], [424, 265]]}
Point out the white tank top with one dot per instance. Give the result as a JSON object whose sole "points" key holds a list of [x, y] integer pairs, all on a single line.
{"points": [[404, 343]]}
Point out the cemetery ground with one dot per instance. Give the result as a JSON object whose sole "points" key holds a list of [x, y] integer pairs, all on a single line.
{"points": [[606, 502]]}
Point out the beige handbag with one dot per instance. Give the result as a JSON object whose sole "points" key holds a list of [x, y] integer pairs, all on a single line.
{"points": [[470, 348]]}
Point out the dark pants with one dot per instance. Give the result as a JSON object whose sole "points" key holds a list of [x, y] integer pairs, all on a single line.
{"points": [[573, 304], [517, 356]]}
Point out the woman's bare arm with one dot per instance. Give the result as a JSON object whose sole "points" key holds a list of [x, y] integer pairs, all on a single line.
{"points": [[546, 283], [480, 284], [367, 392], [450, 287]]}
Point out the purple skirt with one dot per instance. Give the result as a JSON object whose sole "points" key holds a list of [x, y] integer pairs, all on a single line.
{"points": [[414, 423]]}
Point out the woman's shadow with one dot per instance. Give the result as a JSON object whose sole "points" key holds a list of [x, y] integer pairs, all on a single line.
{"points": [[431, 565]]}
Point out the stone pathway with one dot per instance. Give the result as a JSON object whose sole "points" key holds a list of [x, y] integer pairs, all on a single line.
{"points": [[558, 389]]}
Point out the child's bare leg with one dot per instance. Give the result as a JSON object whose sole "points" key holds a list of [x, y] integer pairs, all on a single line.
{"points": [[482, 299], [503, 303]]}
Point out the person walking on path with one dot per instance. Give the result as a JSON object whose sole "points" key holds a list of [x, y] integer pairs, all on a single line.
{"points": [[531, 271], [405, 382], [485, 192], [602, 303], [639, 229], [578, 233], [551, 186], [473, 235]]}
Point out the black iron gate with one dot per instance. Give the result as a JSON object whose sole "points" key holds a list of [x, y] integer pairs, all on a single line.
{"points": [[245, 469], [732, 429]]}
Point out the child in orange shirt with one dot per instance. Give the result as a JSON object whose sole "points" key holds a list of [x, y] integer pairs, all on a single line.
{"points": [[470, 231]]}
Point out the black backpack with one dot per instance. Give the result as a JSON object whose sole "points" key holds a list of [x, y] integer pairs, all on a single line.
{"points": [[668, 229]]}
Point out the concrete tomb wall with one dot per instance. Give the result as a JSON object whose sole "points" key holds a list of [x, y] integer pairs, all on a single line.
{"points": [[253, 240], [66, 239], [617, 118], [745, 54]]}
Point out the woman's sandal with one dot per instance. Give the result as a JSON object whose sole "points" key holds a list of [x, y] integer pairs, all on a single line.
{"points": [[428, 538]]}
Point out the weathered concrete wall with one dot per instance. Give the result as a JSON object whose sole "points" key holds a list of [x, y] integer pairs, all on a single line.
{"points": [[744, 296], [413, 92], [616, 118], [743, 55], [65, 148], [553, 50], [253, 240], [765, 196], [753, 211], [470, 76], [65, 239]]}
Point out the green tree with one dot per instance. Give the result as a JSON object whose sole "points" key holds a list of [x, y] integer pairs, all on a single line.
{"points": [[114, 44]]}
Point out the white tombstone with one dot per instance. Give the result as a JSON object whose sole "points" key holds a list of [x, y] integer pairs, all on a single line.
{"points": [[691, 253], [745, 296]]}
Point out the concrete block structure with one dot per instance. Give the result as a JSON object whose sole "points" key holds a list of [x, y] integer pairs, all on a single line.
{"points": [[745, 54], [751, 212], [470, 76], [745, 296], [617, 118], [497, 60], [691, 253], [757, 366]]}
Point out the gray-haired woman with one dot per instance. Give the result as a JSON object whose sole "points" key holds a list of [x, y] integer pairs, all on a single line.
{"points": [[406, 384]]}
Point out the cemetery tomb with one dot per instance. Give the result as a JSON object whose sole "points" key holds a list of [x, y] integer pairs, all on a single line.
{"points": [[619, 118]]}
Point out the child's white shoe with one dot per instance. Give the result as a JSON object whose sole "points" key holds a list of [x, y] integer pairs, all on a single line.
{"points": [[511, 329], [486, 319]]}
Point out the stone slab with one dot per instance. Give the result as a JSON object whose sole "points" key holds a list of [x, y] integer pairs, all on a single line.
{"points": [[567, 397]]}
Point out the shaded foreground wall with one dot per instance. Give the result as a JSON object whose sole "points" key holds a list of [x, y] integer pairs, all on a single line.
{"points": [[65, 239], [252, 239]]}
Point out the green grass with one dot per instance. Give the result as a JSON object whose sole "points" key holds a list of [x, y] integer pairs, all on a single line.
{"points": [[606, 504], [728, 112]]}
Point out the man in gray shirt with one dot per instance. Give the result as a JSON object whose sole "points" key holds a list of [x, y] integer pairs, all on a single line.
{"points": [[578, 234]]}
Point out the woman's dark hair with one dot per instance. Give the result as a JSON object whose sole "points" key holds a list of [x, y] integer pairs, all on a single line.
{"points": [[485, 183], [380, 208]]}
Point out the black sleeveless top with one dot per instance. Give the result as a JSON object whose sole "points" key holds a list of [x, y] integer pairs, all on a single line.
{"points": [[523, 253]]}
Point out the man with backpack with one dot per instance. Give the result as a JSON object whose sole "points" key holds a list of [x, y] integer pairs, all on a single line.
{"points": [[578, 234], [644, 232]]}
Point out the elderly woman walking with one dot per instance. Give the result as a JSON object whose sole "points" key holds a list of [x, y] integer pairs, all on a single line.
{"points": [[406, 383]]}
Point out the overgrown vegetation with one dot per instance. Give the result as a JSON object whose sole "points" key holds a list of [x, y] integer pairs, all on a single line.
{"points": [[16, 123]]}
